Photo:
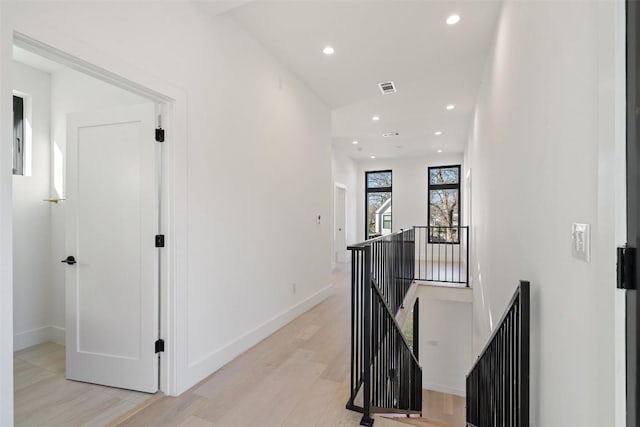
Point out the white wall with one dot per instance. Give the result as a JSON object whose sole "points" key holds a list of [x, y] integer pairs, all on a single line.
{"points": [[619, 202], [541, 149], [445, 338], [255, 140], [409, 188], [39, 242], [32, 216], [345, 171], [6, 234], [71, 92]]}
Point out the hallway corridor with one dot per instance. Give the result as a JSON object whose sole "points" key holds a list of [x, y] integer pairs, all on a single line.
{"points": [[299, 376]]}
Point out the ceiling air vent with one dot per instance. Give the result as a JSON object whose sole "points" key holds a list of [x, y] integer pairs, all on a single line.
{"points": [[387, 87], [390, 134]]}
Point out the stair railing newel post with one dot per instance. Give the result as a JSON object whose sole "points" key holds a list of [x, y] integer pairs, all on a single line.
{"points": [[417, 377], [468, 260], [354, 272], [524, 352], [366, 417]]}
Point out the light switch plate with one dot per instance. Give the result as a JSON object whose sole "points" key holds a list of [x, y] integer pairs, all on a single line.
{"points": [[581, 241]]}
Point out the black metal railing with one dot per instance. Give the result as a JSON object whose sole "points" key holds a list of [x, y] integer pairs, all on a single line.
{"points": [[393, 265], [396, 376], [498, 383], [442, 254], [384, 369], [360, 309]]}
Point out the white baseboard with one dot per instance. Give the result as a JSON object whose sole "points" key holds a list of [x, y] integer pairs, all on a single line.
{"points": [[32, 337], [215, 360], [448, 389]]}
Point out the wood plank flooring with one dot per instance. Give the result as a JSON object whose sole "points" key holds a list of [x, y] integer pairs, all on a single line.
{"points": [[299, 376], [43, 397]]}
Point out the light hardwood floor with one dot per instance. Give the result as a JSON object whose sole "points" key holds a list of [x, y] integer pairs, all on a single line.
{"points": [[299, 376], [43, 397]]}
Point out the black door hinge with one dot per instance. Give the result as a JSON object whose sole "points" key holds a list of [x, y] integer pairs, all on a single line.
{"points": [[160, 135], [626, 268], [159, 240], [159, 346]]}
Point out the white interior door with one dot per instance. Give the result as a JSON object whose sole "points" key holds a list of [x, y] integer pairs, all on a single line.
{"points": [[340, 239], [112, 219]]}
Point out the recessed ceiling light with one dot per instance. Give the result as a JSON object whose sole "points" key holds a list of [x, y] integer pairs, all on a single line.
{"points": [[328, 50], [453, 19], [373, 157], [375, 118], [438, 133], [450, 107], [355, 142], [439, 151]]}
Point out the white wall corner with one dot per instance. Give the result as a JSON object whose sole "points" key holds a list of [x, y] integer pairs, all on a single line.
{"points": [[215, 360], [26, 339], [6, 250]]}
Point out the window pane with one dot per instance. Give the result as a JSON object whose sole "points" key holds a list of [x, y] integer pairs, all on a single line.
{"points": [[386, 222], [378, 214], [444, 207], [443, 235], [444, 176], [18, 136], [378, 179]]}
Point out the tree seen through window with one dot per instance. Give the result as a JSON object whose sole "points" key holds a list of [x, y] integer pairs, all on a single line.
{"points": [[444, 204], [378, 186]]}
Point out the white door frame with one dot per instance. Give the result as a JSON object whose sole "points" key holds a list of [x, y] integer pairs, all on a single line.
{"points": [[337, 184], [173, 213]]}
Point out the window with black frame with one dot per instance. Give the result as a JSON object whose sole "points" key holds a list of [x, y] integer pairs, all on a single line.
{"points": [[378, 185], [18, 135], [444, 204]]}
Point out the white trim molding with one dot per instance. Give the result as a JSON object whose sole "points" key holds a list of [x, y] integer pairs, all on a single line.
{"points": [[215, 360]]}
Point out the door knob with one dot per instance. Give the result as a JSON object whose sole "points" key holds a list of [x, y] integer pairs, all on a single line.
{"points": [[69, 260]]}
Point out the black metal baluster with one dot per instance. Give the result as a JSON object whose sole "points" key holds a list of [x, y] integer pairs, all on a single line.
{"points": [[498, 384], [467, 258], [459, 235]]}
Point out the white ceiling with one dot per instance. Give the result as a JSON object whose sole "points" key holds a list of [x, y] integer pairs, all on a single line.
{"points": [[432, 64], [407, 41], [218, 7]]}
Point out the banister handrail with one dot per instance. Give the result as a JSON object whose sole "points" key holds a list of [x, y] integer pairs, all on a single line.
{"points": [[440, 226], [442, 252], [513, 299], [362, 244]]}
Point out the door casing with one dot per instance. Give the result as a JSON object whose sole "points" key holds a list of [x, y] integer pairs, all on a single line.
{"points": [[172, 106], [633, 207], [340, 211]]}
